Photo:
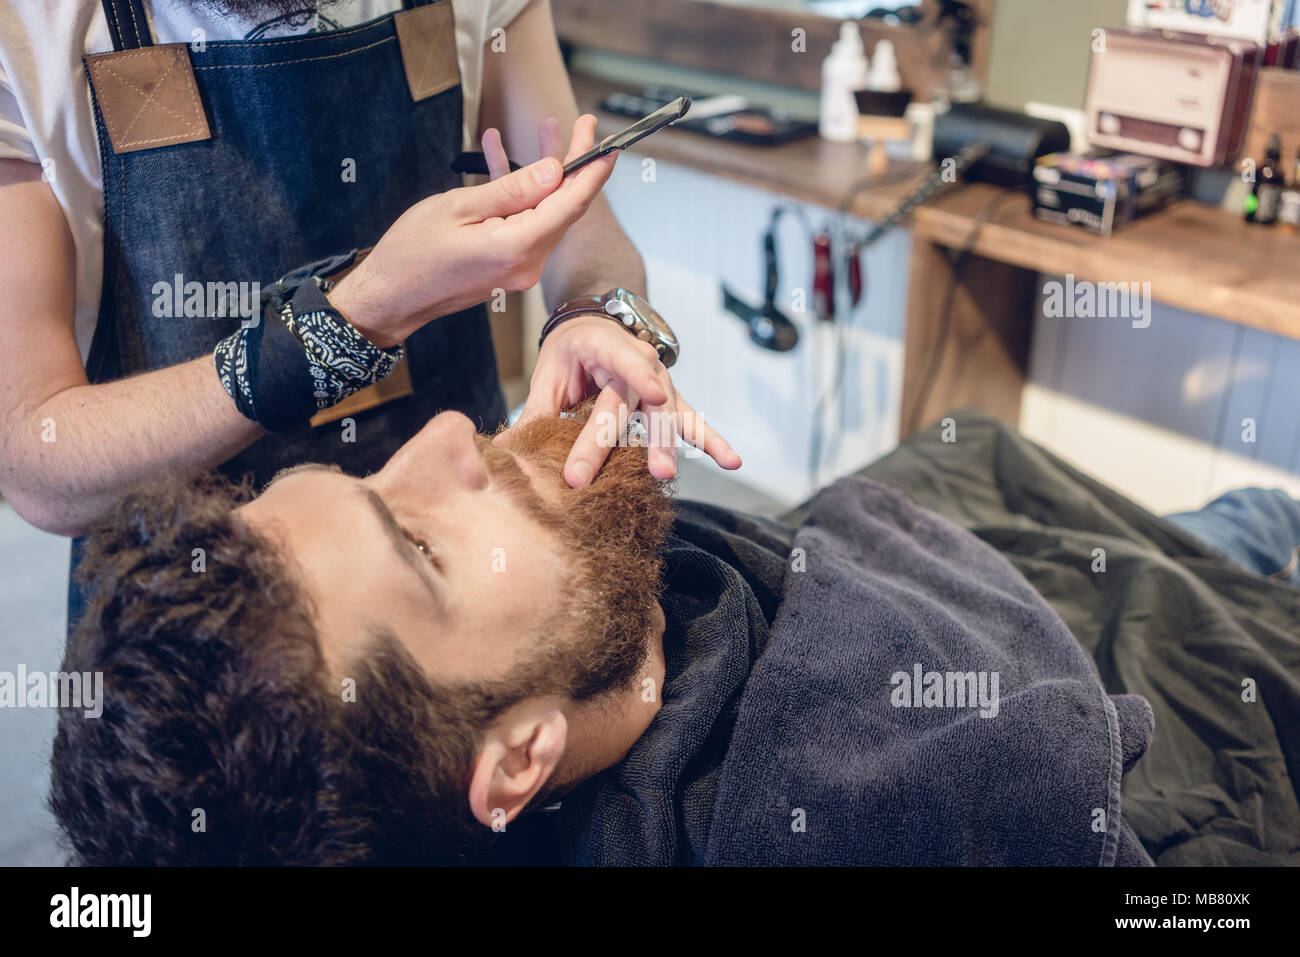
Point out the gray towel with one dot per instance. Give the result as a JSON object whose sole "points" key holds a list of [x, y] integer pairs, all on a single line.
{"points": [[786, 735]]}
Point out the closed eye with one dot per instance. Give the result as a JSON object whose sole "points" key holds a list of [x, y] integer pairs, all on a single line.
{"points": [[403, 543], [423, 548]]}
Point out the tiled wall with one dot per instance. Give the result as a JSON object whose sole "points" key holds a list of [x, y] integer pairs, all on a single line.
{"points": [[1158, 412]]}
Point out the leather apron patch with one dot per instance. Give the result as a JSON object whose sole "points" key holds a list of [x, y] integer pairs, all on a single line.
{"points": [[427, 37], [148, 97]]}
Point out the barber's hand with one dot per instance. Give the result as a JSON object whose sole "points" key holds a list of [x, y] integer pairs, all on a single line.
{"points": [[584, 356], [456, 249], [587, 355]]}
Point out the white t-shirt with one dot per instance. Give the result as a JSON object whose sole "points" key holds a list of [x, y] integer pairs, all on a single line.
{"points": [[46, 114]]}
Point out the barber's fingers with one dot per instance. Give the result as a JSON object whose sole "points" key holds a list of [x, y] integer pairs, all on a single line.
{"points": [[704, 437], [593, 444], [566, 205], [548, 141], [548, 138], [598, 350], [627, 359], [666, 421], [546, 399], [662, 424], [513, 193], [583, 136], [494, 152]]}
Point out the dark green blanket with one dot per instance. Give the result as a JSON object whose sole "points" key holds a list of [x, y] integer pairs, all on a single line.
{"points": [[1214, 649]]}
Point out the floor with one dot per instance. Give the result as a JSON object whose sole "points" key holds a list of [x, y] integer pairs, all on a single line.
{"points": [[33, 605], [33, 579], [699, 479]]}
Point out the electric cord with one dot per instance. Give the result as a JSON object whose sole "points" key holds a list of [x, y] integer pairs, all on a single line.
{"points": [[842, 336], [932, 185], [958, 257], [856, 247]]}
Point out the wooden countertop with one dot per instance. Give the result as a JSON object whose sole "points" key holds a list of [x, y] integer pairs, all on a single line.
{"points": [[812, 169], [1198, 257], [1195, 256]]}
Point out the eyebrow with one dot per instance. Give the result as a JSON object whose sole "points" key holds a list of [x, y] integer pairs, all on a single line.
{"points": [[396, 536], [406, 551]]}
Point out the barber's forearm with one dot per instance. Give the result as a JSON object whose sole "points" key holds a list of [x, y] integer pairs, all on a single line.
{"points": [[594, 256], [68, 460]]}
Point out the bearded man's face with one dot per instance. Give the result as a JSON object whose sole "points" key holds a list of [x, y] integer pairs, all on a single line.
{"points": [[481, 560]]}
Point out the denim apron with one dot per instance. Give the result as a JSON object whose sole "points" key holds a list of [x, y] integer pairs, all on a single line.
{"points": [[269, 192]]}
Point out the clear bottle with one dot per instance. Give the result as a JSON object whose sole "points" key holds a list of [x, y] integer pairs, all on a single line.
{"points": [[1266, 193], [1288, 210]]}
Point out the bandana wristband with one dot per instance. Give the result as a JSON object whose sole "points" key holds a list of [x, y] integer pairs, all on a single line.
{"points": [[303, 357]]}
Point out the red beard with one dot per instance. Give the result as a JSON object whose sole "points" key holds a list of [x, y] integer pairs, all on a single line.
{"points": [[613, 531]]}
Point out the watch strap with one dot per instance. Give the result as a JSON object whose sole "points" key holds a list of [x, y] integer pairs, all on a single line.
{"points": [[567, 310]]}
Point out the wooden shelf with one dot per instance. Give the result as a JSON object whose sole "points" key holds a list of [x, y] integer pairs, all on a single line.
{"points": [[1195, 256], [756, 41]]}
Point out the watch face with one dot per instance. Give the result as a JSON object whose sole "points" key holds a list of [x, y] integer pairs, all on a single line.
{"points": [[654, 322]]}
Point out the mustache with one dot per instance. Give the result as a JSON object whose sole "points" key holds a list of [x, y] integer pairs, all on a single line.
{"points": [[499, 462]]}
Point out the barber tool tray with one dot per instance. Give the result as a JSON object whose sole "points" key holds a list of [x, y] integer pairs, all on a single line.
{"points": [[725, 117]]}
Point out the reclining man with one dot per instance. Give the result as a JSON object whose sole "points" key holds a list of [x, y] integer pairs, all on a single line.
{"points": [[395, 669]]}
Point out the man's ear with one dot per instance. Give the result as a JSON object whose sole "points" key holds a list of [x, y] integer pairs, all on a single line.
{"points": [[518, 755]]}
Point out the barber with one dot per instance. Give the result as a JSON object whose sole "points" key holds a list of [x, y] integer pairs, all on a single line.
{"points": [[277, 158]]}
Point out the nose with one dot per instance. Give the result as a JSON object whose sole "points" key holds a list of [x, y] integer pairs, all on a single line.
{"points": [[442, 457]]}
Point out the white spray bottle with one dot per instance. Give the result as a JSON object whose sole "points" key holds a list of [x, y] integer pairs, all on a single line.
{"points": [[843, 72]]}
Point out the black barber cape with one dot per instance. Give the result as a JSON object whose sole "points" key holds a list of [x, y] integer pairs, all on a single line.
{"points": [[794, 729]]}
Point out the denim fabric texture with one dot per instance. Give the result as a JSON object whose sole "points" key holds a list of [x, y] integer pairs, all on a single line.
{"points": [[268, 194]]}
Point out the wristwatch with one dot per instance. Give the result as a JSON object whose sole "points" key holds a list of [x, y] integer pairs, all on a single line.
{"points": [[627, 309]]}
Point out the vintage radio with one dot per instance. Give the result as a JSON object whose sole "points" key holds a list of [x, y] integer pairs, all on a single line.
{"points": [[1182, 97]]}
